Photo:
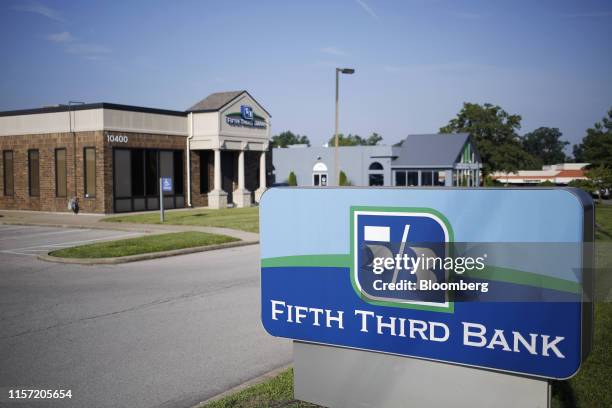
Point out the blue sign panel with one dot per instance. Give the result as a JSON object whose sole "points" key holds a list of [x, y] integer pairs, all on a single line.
{"points": [[166, 184], [453, 275]]}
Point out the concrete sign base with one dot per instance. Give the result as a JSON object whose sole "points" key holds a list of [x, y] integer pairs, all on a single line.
{"points": [[337, 377]]}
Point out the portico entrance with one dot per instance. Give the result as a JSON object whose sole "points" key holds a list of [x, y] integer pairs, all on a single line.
{"points": [[229, 135]]}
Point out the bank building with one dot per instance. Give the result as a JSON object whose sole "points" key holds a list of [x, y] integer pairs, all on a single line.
{"points": [[110, 157]]}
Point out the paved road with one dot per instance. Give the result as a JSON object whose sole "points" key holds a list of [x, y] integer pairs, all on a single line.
{"points": [[162, 333], [33, 241]]}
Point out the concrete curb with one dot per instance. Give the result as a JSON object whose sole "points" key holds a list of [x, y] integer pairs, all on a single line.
{"points": [[245, 385], [143, 257], [135, 227], [110, 227]]}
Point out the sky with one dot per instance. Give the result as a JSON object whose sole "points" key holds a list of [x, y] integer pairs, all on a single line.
{"points": [[416, 61]]}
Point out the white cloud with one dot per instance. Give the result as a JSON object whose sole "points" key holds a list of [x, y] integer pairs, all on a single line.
{"points": [[62, 37], [334, 51], [40, 9], [368, 9], [73, 45]]}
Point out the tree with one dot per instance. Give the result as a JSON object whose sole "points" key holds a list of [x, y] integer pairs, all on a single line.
{"points": [[545, 144], [343, 179], [287, 138], [494, 132], [596, 147], [355, 140], [600, 178], [292, 179]]}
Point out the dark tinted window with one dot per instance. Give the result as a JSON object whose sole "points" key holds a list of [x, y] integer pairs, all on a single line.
{"points": [[400, 178], [34, 172], [377, 180], [413, 178], [90, 171], [9, 184], [138, 172], [178, 172], [152, 183], [60, 173]]}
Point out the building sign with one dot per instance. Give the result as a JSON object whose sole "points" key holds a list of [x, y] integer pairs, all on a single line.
{"points": [[166, 184], [111, 138], [484, 278], [246, 117]]}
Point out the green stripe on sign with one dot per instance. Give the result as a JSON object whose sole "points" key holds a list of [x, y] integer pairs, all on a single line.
{"points": [[501, 274], [329, 260]]}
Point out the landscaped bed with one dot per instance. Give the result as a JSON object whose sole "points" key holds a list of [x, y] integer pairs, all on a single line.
{"points": [[143, 245], [245, 219]]}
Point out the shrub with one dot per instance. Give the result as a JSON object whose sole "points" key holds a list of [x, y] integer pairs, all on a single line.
{"points": [[343, 180], [292, 179]]}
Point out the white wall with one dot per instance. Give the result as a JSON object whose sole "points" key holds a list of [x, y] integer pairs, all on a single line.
{"points": [[57, 122]]}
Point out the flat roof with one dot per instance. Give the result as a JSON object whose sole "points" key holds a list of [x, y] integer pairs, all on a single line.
{"points": [[87, 106]]}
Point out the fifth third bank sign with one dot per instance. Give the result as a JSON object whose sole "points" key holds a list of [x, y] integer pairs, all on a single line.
{"points": [[489, 278]]}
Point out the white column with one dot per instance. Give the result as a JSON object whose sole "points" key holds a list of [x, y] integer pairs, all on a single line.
{"points": [[217, 185], [241, 170], [262, 176], [242, 197], [217, 198]]}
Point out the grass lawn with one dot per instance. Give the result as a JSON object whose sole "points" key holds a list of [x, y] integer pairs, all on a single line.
{"points": [[591, 387], [245, 219], [143, 245], [275, 392]]}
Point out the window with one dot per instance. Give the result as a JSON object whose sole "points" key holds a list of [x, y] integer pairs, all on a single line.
{"points": [[9, 185], [137, 173], [178, 172], [61, 179], [34, 173], [412, 178], [90, 172], [376, 166], [152, 182], [400, 178], [439, 178], [426, 178], [377, 180]]}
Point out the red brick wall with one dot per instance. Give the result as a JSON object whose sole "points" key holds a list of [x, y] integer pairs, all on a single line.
{"points": [[200, 198], [46, 145]]}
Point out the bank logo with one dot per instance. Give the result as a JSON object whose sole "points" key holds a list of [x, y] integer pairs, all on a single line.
{"points": [[246, 112], [390, 249]]}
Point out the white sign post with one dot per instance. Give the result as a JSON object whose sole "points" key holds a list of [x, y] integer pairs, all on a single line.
{"points": [[161, 200]]}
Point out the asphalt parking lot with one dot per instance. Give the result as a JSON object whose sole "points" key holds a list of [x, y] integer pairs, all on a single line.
{"points": [[33, 241], [168, 332]]}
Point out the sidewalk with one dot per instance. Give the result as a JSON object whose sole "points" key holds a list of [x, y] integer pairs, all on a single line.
{"points": [[69, 220]]}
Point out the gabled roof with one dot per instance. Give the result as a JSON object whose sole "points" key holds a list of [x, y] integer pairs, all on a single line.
{"points": [[432, 150], [216, 101]]}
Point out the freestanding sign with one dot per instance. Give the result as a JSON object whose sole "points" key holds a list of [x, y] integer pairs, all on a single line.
{"points": [[165, 186], [485, 278]]}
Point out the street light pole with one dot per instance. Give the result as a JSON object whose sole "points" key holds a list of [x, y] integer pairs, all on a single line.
{"points": [[348, 71]]}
